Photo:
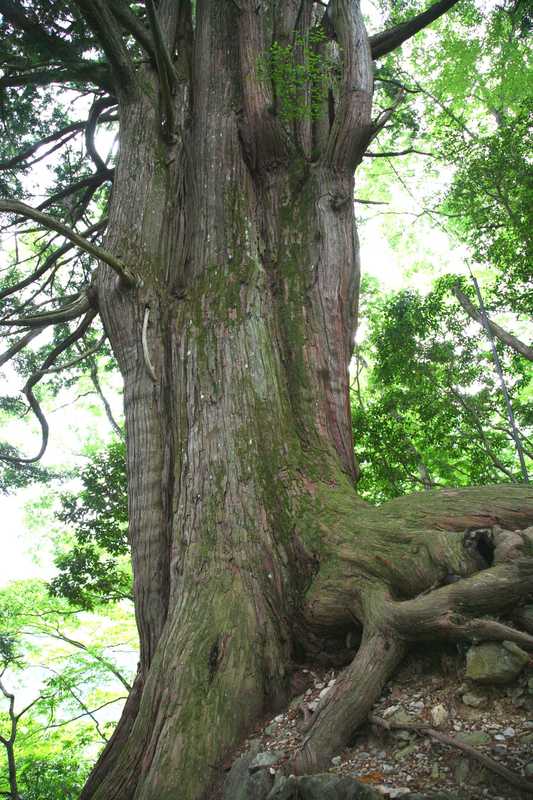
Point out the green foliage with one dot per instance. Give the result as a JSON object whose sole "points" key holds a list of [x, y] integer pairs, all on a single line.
{"points": [[301, 74], [429, 410], [59, 776], [95, 566], [61, 668], [489, 203]]}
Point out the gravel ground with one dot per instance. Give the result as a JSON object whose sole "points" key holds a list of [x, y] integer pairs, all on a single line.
{"points": [[429, 690]]}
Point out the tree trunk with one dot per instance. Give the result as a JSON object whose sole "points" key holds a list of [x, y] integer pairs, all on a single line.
{"points": [[249, 544]]}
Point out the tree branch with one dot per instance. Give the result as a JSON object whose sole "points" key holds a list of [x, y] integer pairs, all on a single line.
{"points": [[99, 105], [79, 358], [133, 25], [50, 261], [35, 378], [90, 72], [20, 345], [351, 129], [393, 153], [81, 304], [104, 26], [53, 224], [165, 70], [107, 408], [486, 761], [389, 40], [505, 337], [90, 182]]}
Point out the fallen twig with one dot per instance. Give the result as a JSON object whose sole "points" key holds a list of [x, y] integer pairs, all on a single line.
{"points": [[488, 762]]}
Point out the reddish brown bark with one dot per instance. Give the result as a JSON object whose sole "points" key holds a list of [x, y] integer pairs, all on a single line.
{"points": [[249, 543]]}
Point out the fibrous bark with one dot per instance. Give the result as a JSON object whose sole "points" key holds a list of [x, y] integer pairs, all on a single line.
{"points": [[228, 289]]}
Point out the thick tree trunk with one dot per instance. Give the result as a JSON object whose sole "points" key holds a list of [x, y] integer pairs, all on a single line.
{"points": [[249, 543]]}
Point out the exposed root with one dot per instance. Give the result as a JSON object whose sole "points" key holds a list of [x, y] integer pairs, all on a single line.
{"points": [[448, 612], [349, 702], [486, 761], [443, 612]]}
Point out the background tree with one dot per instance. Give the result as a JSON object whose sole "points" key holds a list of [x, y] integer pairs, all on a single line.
{"points": [[58, 685], [227, 286], [93, 563], [429, 411]]}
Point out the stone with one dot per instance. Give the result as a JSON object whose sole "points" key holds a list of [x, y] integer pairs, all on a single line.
{"points": [[336, 760], [399, 755], [524, 617], [474, 738], [322, 787], [265, 760], [495, 662], [439, 715], [404, 735], [509, 732], [461, 770], [241, 785], [390, 710], [473, 699], [401, 716], [530, 686], [528, 770]]}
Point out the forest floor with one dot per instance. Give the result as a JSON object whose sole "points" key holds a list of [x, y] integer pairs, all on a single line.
{"points": [[399, 762]]}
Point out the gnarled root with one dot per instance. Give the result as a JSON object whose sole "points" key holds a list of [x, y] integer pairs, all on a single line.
{"points": [[349, 702], [449, 612]]}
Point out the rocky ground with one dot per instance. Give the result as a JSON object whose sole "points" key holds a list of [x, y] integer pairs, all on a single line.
{"points": [[432, 688]]}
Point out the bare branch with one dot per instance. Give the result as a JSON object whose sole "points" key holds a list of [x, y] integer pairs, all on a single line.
{"points": [[381, 120], [393, 153], [53, 224], [64, 135], [165, 69], [35, 378], [486, 761], [69, 364], [90, 72], [19, 345], [99, 105], [133, 25], [50, 261], [71, 310], [107, 408], [104, 26], [79, 716], [389, 40], [91, 182], [501, 334]]}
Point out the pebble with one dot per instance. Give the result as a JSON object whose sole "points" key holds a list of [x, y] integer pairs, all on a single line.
{"points": [[439, 715], [390, 710], [508, 731]]}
